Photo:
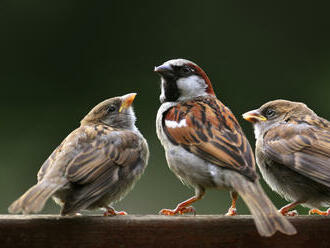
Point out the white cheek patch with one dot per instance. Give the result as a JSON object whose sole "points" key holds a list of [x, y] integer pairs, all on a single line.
{"points": [[192, 86], [174, 124]]}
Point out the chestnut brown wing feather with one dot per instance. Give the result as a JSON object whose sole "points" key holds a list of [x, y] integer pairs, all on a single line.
{"points": [[98, 165], [209, 130], [301, 147]]}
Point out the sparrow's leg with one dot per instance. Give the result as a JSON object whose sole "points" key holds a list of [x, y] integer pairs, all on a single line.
{"points": [[316, 211], [184, 207], [286, 209], [232, 210], [112, 212]]}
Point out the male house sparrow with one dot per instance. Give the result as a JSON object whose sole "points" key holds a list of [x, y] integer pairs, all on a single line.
{"points": [[96, 165], [206, 147], [293, 153]]}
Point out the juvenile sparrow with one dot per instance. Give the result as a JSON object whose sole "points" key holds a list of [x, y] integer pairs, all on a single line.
{"points": [[205, 146], [96, 165], [293, 153]]}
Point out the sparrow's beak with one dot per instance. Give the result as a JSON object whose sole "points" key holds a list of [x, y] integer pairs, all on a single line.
{"points": [[127, 101], [163, 69], [254, 116]]}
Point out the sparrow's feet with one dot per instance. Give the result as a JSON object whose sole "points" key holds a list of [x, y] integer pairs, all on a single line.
{"points": [[286, 212], [316, 211], [292, 213], [111, 212], [231, 212], [176, 211], [185, 207]]}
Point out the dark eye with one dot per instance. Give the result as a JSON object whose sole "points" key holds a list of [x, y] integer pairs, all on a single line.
{"points": [[270, 113], [185, 70], [111, 108]]}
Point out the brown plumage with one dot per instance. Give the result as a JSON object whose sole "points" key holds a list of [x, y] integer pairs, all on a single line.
{"points": [[205, 146], [212, 132], [97, 164], [293, 152]]}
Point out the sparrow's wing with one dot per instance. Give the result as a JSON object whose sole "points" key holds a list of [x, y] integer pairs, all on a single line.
{"points": [[45, 166], [208, 129], [102, 159], [301, 147]]}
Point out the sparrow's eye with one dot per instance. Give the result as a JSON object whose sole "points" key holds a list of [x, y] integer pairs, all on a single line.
{"points": [[185, 70], [111, 108], [270, 113]]}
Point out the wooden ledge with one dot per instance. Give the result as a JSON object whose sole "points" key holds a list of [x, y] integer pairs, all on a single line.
{"points": [[155, 231]]}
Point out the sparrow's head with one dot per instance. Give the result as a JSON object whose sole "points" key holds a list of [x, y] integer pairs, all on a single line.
{"points": [[276, 112], [116, 112], [181, 80]]}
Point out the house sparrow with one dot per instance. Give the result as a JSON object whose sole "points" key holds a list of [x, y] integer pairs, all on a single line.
{"points": [[96, 165], [205, 146], [293, 153]]}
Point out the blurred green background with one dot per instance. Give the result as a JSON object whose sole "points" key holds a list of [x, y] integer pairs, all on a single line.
{"points": [[60, 58]]}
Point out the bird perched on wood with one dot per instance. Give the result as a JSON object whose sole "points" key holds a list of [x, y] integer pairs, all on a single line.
{"points": [[293, 153], [96, 165], [205, 146]]}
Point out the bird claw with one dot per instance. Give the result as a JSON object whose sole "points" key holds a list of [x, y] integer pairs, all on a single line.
{"points": [[289, 213], [292, 213], [111, 212], [167, 212], [184, 210], [318, 212], [231, 212]]}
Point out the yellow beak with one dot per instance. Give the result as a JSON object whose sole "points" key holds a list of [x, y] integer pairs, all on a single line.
{"points": [[254, 116], [127, 101]]}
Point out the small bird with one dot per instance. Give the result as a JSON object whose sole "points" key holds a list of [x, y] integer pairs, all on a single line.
{"points": [[205, 146], [97, 164], [293, 153]]}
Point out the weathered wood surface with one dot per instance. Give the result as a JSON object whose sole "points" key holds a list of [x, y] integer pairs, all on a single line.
{"points": [[155, 231]]}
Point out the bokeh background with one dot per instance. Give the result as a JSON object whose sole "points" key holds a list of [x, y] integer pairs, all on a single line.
{"points": [[60, 58]]}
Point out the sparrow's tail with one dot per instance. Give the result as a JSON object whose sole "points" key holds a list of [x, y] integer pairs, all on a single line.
{"points": [[266, 217], [34, 199]]}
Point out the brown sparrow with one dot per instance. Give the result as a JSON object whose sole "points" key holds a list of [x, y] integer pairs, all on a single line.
{"points": [[96, 165], [205, 146], [293, 153]]}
